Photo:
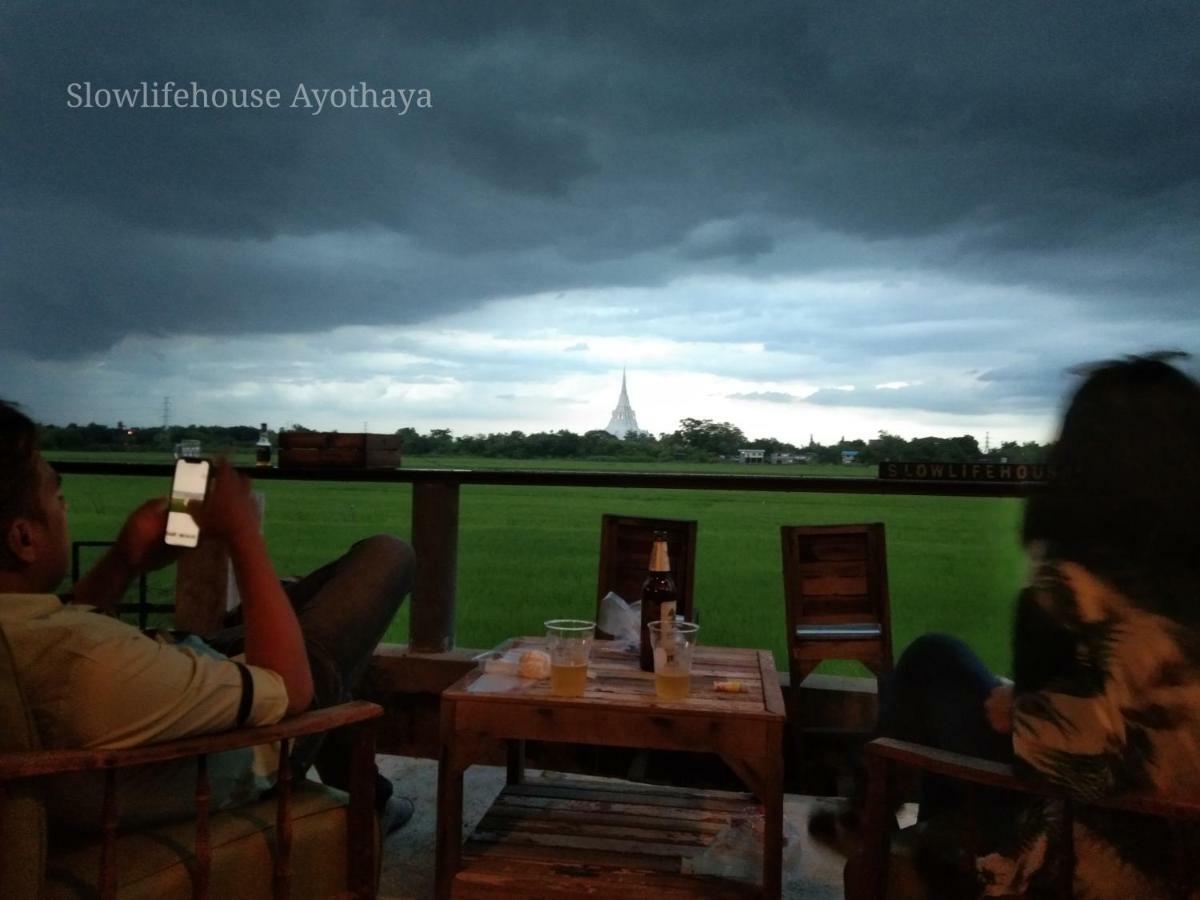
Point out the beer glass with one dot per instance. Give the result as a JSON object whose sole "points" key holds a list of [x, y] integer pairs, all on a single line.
{"points": [[674, 641], [569, 642]]}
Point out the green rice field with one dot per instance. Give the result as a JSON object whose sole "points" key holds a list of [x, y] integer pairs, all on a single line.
{"points": [[527, 554]]}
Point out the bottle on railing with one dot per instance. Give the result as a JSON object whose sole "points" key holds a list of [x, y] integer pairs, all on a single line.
{"points": [[659, 596], [262, 449]]}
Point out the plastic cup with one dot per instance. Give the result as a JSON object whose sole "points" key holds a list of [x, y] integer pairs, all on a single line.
{"points": [[673, 644], [569, 642]]}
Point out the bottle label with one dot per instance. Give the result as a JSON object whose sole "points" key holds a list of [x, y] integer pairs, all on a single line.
{"points": [[666, 612]]}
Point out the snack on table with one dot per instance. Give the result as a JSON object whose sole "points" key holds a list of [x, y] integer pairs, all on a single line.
{"points": [[534, 664], [728, 687]]}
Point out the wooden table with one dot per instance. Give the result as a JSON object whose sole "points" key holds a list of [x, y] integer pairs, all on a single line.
{"points": [[619, 708]]}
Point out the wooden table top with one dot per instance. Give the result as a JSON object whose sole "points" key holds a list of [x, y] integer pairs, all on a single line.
{"points": [[616, 680]]}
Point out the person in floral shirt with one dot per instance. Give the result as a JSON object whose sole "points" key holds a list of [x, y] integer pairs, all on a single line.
{"points": [[1105, 697]]}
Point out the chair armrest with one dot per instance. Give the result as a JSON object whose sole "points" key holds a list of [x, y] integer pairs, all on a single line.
{"points": [[870, 867], [952, 765], [29, 764], [1002, 775]]}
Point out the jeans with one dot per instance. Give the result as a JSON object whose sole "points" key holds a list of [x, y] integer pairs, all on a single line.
{"points": [[343, 609], [935, 696]]}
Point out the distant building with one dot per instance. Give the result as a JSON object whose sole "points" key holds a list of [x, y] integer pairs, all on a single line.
{"points": [[751, 455], [623, 421]]}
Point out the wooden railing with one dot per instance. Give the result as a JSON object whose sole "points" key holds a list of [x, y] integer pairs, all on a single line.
{"points": [[435, 503]]}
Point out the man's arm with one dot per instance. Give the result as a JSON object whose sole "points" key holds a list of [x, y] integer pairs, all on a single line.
{"points": [[139, 548], [273, 637]]}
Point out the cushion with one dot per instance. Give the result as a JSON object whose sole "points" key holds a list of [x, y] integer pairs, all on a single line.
{"points": [[23, 817], [160, 862]]}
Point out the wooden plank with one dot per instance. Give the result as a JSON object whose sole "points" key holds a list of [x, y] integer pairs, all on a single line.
{"points": [[523, 877], [628, 708], [586, 842], [704, 812], [674, 728], [599, 786], [620, 792], [566, 848], [474, 852], [546, 813]]}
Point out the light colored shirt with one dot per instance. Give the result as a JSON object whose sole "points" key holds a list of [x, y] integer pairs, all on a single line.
{"points": [[93, 682]]}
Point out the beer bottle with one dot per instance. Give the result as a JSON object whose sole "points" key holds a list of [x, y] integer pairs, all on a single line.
{"points": [[659, 596], [262, 449]]}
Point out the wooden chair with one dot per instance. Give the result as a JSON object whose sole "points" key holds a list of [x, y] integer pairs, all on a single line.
{"points": [[625, 543], [881, 871], [836, 592], [306, 841]]}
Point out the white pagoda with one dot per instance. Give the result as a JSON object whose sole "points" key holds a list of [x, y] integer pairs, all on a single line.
{"points": [[623, 421]]}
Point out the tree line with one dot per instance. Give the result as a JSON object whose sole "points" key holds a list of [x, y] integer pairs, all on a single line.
{"points": [[695, 440], [703, 440]]}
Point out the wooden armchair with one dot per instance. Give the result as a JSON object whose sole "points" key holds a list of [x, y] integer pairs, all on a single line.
{"points": [[305, 841], [870, 875]]}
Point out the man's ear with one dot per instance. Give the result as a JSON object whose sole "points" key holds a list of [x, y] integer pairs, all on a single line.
{"points": [[21, 540]]}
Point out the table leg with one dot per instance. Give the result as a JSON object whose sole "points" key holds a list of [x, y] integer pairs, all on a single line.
{"points": [[773, 818], [516, 761], [763, 775], [449, 821]]}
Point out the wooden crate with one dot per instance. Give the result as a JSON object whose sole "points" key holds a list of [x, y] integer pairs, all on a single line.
{"points": [[576, 837], [333, 450]]}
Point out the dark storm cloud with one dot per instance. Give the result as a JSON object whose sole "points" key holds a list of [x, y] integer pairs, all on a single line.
{"points": [[583, 145]]}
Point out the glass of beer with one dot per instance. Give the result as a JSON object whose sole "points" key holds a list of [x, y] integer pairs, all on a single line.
{"points": [[569, 642], [674, 641]]}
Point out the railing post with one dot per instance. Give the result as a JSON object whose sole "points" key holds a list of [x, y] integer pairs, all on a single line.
{"points": [[435, 542]]}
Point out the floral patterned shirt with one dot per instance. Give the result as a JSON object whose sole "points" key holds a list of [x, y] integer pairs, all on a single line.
{"points": [[1106, 700]]}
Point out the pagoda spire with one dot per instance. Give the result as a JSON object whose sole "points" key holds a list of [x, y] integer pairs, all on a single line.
{"points": [[623, 421]]}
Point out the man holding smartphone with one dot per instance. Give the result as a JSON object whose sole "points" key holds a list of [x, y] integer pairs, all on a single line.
{"points": [[94, 682]]}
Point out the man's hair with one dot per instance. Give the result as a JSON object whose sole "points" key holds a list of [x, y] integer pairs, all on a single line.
{"points": [[1128, 496], [19, 477]]}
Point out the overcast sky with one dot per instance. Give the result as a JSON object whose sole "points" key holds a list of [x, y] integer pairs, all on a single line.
{"points": [[828, 219]]}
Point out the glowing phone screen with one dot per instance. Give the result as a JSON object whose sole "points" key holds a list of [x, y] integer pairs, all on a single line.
{"points": [[190, 483]]}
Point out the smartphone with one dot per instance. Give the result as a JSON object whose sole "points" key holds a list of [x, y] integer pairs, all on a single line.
{"points": [[190, 483]]}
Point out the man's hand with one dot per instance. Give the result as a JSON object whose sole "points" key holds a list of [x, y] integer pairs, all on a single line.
{"points": [[228, 512], [999, 707], [140, 543], [138, 548]]}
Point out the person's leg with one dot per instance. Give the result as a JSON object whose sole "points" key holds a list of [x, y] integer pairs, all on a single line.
{"points": [[344, 608], [935, 696]]}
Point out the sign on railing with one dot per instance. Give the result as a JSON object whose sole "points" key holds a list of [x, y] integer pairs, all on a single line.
{"points": [[967, 472]]}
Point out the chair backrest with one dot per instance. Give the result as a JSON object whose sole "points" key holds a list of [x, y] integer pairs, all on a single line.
{"points": [[22, 813], [836, 592], [625, 543]]}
